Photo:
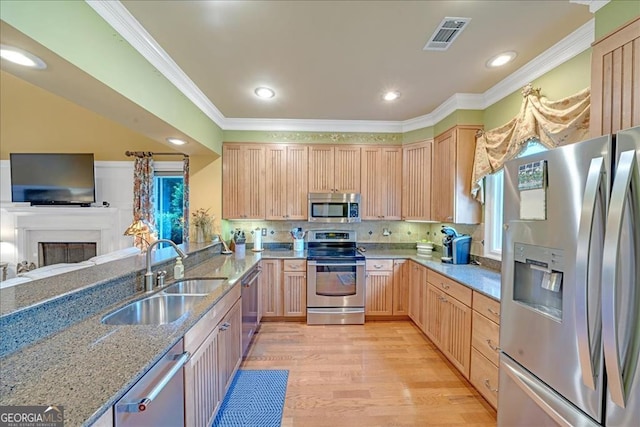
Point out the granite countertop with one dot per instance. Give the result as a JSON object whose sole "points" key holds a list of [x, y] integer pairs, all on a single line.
{"points": [[87, 367], [478, 278]]}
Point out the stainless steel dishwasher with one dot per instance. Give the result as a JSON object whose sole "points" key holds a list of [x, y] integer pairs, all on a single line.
{"points": [[250, 307], [157, 399]]}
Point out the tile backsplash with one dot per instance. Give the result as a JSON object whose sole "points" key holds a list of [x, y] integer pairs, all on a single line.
{"points": [[367, 231]]}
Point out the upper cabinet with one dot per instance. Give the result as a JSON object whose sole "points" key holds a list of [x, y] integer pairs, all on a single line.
{"points": [[416, 181], [286, 182], [615, 81], [334, 169], [381, 183], [243, 181], [451, 199]]}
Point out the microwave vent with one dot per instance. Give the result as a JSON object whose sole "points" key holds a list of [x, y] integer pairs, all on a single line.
{"points": [[448, 30]]}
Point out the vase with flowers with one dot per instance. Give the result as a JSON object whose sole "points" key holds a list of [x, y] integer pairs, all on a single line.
{"points": [[203, 223]]}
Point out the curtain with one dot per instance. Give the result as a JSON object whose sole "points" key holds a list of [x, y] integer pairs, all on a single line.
{"points": [[143, 195], [553, 123], [185, 200]]}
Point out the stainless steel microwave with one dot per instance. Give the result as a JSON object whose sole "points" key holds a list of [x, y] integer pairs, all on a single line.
{"points": [[334, 207]]}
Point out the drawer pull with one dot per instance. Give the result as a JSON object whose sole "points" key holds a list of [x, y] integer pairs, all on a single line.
{"points": [[493, 347], [378, 266], [487, 384], [445, 286], [490, 310]]}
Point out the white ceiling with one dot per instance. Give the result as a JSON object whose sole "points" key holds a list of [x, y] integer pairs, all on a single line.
{"points": [[333, 60]]}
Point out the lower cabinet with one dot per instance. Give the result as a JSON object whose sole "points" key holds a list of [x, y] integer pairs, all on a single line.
{"points": [[485, 350], [270, 285], [283, 285], [417, 294], [215, 344], [379, 287], [294, 286], [448, 319], [401, 278]]}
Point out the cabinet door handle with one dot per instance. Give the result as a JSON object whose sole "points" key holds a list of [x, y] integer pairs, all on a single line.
{"points": [[492, 347], [225, 326], [487, 384], [495, 313]]}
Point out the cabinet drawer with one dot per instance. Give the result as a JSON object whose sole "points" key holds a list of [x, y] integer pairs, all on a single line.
{"points": [[197, 334], [451, 287], [485, 337], [379, 265], [484, 377], [486, 306], [295, 265]]}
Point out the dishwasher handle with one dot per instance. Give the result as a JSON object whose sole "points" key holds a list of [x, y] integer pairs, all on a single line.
{"points": [[252, 277], [144, 403]]}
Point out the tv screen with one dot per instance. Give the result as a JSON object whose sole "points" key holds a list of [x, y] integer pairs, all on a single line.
{"points": [[52, 179]]}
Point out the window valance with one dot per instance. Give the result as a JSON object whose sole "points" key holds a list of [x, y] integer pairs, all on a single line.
{"points": [[553, 123]]}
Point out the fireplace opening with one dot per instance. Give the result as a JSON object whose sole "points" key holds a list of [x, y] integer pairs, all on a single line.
{"points": [[65, 252]]}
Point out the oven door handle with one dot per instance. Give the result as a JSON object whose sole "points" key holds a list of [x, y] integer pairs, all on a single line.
{"points": [[335, 264]]}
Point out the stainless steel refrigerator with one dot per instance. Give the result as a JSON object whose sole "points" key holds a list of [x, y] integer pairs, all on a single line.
{"points": [[570, 309]]}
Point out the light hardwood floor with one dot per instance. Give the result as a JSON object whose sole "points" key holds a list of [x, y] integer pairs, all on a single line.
{"points": [[377, 374]]}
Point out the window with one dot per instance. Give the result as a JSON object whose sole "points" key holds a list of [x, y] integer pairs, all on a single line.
{"points": [[493, 205], [168, 185]]}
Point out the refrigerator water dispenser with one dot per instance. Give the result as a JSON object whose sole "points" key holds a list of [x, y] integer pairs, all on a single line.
{"points": [[538, 273]]}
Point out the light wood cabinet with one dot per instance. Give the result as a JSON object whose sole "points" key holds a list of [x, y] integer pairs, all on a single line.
{"points": [[334, 169], [401, 279], [270, 282], [294, 288], [485, 352], [243, 183], [381, 183], [416, 181], [417, 294], [452, 166], [379, 287], [215, 346], [449, 319], [615, 81], [286, 182]]}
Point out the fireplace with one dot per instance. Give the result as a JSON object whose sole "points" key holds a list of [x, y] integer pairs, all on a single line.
{"points": [[65, 252]]}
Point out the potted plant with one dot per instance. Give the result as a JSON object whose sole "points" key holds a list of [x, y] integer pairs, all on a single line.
{"points": [[203, 223]]}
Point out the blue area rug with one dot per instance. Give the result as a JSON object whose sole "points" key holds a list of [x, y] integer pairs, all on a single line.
{"points": [[255, 399]]}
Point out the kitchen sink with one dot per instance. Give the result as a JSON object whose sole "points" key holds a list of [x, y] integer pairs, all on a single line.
{"points": [[200, 286], [153, 310]]}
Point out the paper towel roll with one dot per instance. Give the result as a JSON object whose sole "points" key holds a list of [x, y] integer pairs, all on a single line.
{"points": [[257, 241]]}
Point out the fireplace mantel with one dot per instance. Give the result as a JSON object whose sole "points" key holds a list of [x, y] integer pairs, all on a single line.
{"points": [[34, 224]]}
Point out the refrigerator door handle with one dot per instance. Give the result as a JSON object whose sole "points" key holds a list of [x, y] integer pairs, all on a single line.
{"points": [[626, 176], [592, 189]]}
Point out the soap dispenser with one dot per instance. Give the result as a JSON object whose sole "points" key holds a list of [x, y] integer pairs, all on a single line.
{"points": [[178, 269]]}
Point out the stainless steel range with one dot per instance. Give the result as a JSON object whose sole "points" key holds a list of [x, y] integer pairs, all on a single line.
{"points": [[335, 279]]}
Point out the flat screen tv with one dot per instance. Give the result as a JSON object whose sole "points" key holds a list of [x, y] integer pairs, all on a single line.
{"points": [[53, 178]]}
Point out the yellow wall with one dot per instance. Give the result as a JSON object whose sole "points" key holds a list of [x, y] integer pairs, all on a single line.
{"points": [[34, 120]]}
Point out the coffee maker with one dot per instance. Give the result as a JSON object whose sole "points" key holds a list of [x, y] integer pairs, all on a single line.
{"points": [[456, 247]]}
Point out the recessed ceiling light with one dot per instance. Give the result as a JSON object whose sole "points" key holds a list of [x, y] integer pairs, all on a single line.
{"points": [[391, 96], [176, 141], [21, 57], [264, 92], [502, 59]]}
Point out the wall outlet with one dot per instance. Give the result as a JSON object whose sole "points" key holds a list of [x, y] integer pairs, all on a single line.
{"points": [[264, 232]]}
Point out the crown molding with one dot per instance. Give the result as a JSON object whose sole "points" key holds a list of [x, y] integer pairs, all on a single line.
{"points": [[297, 125], [116, 15], [594, 5]]}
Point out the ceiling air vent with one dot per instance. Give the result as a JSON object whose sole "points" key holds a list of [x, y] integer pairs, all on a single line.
{"points": [[446, 33]]}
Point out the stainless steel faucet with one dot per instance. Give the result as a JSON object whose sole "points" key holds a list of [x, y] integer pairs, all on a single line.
{"points": [[148, 276]]}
